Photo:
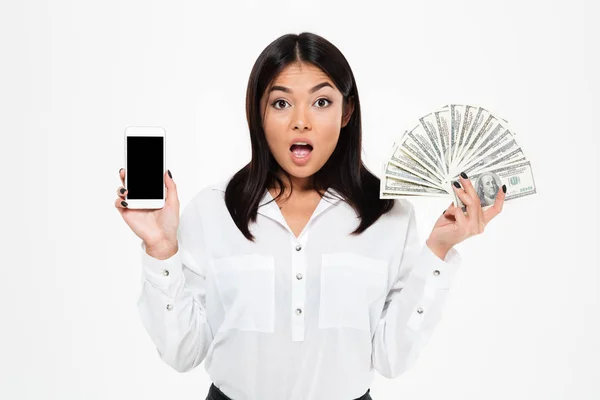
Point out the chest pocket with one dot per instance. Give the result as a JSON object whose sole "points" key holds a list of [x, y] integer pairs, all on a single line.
{"points": [[353, 289], [246, 286]]}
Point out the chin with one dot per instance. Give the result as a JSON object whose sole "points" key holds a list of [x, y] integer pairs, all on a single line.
{"points": [[300, 172]]}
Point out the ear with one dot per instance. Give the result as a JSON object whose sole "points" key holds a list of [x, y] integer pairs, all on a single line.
{"points": [[348, 110]]}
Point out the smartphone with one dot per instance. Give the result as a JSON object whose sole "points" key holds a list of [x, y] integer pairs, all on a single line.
{"points": [[145, 166]]}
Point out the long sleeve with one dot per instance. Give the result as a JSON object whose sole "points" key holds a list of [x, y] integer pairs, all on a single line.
{"points": [[172, 303], [414, 304]]}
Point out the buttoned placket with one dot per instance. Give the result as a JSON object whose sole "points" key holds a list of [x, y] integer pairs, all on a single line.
{"points": [[299, 266], [299, 259]]}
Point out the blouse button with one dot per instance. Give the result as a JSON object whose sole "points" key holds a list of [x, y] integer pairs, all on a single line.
{"points": [[298, 248], [169, 307], [165, 272], [298, 311], [298, 276], [420, 310], [436, 272]]}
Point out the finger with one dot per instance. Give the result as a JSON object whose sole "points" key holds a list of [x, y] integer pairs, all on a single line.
{"points": [[122, 175], [447, 208], [444, 216], [120, 204], [476, 220], [172, 197], [458, 215], [467, 200], [494, 210], [468, 187], [122, 192]]}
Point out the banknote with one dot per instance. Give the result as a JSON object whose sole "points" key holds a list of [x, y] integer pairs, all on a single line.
{"points": [[517, 177], [469, 115], [456, 117], [490, 123], [426, 159], [508, 153], [480, 116], [394, 171], [412, 146], [393, 186], [412, 165]]}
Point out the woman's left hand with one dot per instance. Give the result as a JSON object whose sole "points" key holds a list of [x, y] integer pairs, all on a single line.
{"points": [[454, 226]]}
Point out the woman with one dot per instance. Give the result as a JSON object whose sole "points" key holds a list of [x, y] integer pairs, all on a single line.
{"points": [[292, 279]]}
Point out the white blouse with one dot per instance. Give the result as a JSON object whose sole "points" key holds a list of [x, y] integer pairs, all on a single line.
{"points": [[294, 318]]}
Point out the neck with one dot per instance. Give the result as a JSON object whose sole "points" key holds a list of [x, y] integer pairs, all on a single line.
{"points": [[300, 186]]}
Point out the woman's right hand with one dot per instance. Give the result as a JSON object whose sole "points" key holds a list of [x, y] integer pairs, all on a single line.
{"points": [[157, 228]]}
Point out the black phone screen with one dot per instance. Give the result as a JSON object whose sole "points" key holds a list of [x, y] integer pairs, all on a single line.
{"points": [[145, 167]]}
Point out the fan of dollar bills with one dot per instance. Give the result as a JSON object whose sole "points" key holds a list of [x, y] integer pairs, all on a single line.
{"points": [[427, 159]]}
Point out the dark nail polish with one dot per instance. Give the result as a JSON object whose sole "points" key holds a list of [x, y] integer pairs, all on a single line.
{"points": [[444, 212], [456, 184], [124, 203], [464, 175], [504, 188], [123, 190], [170, 176], [120, 170]]}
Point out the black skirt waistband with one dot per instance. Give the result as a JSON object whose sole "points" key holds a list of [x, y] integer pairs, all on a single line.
{"points": [[215, 394]]}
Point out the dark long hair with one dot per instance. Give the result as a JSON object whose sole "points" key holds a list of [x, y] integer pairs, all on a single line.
{"points": [[344, 171]]}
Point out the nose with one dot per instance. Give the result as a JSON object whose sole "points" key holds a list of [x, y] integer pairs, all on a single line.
{"points": [[300, 120]]}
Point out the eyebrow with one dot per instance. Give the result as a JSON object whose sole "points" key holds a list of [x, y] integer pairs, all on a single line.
{"points": [[314, 89]]}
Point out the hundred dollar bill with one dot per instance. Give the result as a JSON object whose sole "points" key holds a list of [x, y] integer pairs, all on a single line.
{"points": [[447, 105], [500, 142], [394, 171], [442, 119], [421, 138], [412, 148], [398, 187], [518, 158], [456, 116], [518, 179], [502, 139], [508, 152], [469, 115], [484, 144], [478, 120], [403, 160], [428, 122], [490, 123]]}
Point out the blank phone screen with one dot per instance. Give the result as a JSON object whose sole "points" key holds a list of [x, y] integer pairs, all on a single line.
{"points": [[145, 167]]}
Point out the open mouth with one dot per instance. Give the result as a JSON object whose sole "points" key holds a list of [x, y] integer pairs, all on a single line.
{"points": [[301, 150]]}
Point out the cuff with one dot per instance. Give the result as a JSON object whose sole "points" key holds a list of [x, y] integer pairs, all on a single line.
{"points": [[431, 269], [163, 274]]}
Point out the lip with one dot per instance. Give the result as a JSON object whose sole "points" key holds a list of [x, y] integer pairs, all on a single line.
{"points": [[300, 139], [301, 161]]}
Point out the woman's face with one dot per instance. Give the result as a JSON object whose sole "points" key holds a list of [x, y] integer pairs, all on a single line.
{"points": [[303, 105]]}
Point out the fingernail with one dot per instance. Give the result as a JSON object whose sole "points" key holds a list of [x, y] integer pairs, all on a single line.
{"points": [[123, 190], [170, 176], [504, 188], [464, 175], [444, 212], [124, 203], [120, 170], [456, 184]]}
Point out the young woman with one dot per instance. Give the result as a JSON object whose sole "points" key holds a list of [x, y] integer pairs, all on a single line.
{"points": [[292, 279]]}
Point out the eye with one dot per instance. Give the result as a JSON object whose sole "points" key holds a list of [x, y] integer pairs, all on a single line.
{"points": [[278, 101], [324, 99]]}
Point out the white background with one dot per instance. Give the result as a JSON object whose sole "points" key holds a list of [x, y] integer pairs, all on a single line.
{"points": [[522, 321]]}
